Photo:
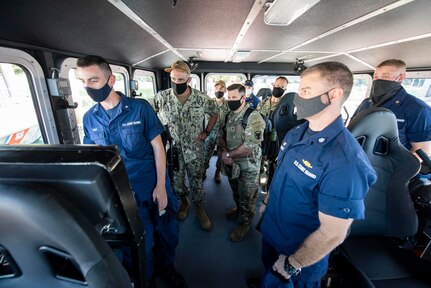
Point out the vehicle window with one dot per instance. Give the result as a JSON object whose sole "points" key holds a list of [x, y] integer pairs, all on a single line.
{"points": [[360, 90], [228, 78], [84, 101], [419, 85], [266, 81], [146, 84], [196, 82], [18, 119]]}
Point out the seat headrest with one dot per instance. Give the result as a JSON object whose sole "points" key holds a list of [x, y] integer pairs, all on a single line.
{"points": [[264, 93]]}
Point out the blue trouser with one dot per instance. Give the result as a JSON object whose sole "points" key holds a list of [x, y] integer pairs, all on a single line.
{"points": [[161, 233], [309, 277]]}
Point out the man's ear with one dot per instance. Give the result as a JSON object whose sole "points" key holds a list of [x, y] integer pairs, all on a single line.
{"points": [[336, 93], [189, 80], [402, 77], [112, 80]]}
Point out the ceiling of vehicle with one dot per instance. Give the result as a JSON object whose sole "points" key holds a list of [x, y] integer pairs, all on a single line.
{"points": [[153, 34]]}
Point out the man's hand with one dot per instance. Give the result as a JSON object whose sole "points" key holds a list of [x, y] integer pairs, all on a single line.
{"points": [[202, 136], [279, 266], [159, 195], [226, 160], [262, 208]]}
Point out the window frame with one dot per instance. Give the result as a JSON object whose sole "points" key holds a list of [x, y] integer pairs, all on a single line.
{"points": [[38, 89], [207, 88], [149, 74]]}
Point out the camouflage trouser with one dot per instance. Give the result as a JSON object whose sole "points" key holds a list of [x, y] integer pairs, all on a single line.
{"points": [[244, 190], [194, 171], [210, 144]]}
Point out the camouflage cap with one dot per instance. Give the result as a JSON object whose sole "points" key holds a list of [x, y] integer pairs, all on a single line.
{"points": [[221, 83], [179, 65]]}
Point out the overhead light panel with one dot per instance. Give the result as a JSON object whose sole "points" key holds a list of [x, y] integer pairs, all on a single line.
{"points": [[284, 12], [240, 55]]}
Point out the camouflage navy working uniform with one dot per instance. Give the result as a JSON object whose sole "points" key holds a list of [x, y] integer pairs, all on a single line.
{"points": [[245, 185], [266, 107], [185, 123], [211, 140]]}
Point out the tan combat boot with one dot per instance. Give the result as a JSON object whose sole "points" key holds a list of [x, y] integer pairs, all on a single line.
{"points": [[232, 213], [182, 212], [203, 218], [217, 178], [239, 232]]}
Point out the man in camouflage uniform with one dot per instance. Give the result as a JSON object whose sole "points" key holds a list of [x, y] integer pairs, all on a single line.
{"points": [[183, 109], [241, 154], [266, 107], [211, 141], [269, 104]]}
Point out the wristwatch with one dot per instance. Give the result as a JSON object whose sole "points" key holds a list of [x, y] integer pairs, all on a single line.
{"points": [[292, 271]]}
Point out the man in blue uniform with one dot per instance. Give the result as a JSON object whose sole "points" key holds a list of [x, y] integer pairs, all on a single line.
{"points": [[133, 126], [413, 115], [318, 188], [251, 99]]}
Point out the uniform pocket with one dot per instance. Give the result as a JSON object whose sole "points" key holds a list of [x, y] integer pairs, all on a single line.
{"points": [[132, 138], [98, 137]]}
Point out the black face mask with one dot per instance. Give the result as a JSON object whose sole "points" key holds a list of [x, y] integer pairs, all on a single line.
{"points": [[219, 94], [179, 88], [99, 95], [383, 90], [277, 92], [309, 107], [234, 104]]}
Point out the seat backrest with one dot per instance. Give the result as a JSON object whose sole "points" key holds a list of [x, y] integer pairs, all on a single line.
{"points": [[63, 203], [264, 93], [389, 210], [48, 242], [284, 116]]}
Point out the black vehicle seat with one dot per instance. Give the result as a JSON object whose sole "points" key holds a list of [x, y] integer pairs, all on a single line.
{"points": [[284, 116], [50, 243], [62, 208], [389, 210], [264, 93]]}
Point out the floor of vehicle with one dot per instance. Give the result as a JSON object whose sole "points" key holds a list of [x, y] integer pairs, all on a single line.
{"points": [[211, 259]]}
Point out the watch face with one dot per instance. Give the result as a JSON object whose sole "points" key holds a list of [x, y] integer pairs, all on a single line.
{"points": [[292, 271]]}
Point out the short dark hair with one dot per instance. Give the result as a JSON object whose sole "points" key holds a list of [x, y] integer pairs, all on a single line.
{"points": [[239, 87], [90, 60], [336, 74], [393, 62], [283, 78]]}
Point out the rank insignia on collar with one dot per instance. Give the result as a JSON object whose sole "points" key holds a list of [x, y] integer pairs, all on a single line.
{"points": [[321, 140], [306, 163]]}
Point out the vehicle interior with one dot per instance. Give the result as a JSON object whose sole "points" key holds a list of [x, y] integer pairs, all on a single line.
{"points": [[42, 104]]}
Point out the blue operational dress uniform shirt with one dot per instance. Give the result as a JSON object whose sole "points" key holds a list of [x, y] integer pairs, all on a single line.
{"points": [[132, 125], [253, 101], [413, 117], [327, 171]]}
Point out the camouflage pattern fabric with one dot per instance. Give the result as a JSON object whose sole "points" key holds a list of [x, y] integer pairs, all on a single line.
{"points": [[185, 123], [244, 187], [235, 135], [194, 171], [265, 107], [244, 190], [211, 140]]}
